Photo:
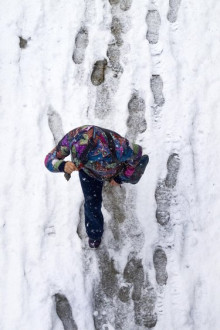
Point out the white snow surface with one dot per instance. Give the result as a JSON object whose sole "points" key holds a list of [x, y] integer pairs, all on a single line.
{"points": [[41, 253]]}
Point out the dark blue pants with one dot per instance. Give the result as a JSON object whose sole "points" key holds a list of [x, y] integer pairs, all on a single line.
{"points": [[92, 190]]}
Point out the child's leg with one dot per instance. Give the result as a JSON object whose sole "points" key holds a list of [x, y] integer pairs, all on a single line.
{"points": [[92, 190]]}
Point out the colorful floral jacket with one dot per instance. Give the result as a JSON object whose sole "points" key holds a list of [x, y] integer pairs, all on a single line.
{"points": [[100, 162]]}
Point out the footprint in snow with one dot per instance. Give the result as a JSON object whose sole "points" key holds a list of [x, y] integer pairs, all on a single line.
{"points": [[156, 85], [124, 292], [153, 22], [144, 310], [136, 121], [113, 54], [108, 273], [81, 231], [64, 311], [100, 316], [55, 124], [114, 202], [143, 295], [105, 291], [116, 30], [134, 273], [163, 193], [173, 165], [125, 4], [98, 73], [173, 10], [81, 42], [163, 199], [160, 262]]}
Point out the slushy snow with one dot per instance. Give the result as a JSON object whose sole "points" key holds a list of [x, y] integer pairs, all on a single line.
{"points": [[159, 260]]}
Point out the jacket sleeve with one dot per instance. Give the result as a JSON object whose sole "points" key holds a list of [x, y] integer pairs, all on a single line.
{"points": [[54, 160], [131, 157], [76, 142]]}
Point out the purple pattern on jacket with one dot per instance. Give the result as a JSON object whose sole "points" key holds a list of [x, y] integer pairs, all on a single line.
{"points": [[100, 162]]}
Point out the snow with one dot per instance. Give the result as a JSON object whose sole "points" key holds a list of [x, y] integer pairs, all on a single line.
{"points": [[43, 249]]}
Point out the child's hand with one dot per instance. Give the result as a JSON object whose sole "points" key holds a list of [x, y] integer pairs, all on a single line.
{"points": [[70, 167]]}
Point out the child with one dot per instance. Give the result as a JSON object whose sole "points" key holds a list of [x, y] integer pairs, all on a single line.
{"points": [[99, 155]]}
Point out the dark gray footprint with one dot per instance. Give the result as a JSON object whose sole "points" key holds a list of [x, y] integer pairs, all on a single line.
{"points": [[173, 10], [114, 202], [64, 312], [163, 198], [113, 54], [163, 193], [116, 30], [144, 309], [125, 4], [98, 73], [173, 165], [124, 292], [160, 262], [153, 22], [108, 274], [156, 85], [55, 124], [100, 309], [134, 273], [105, 291], [136, 121], [81, 42], [143, 295]]}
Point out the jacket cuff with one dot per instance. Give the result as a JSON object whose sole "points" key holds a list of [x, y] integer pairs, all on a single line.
{"points": [[118, 179], [80, 166], [61, 166]]}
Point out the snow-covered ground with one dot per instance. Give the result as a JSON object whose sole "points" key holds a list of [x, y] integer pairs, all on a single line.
{"points": [[159, 264]]}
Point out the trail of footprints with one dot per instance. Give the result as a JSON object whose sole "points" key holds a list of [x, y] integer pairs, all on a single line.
{"points": [[63, 307], [153, 21], [122, 296], [123, 299], [106, 72], [164, 194], [113, 69]]}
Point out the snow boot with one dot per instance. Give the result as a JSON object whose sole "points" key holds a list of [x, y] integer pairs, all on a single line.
{"points": [[94, 243]]}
